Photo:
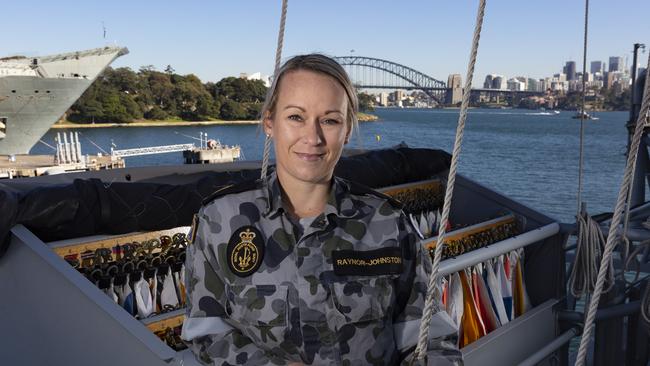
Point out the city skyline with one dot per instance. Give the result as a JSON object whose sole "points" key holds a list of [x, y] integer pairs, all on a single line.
{"points": [[218, 39], [619, 66]]}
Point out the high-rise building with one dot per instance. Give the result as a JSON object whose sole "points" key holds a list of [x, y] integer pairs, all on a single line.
{"points": [[616, 64], [494, 81], [398, 95], [498, 82], [611, 78], [487, 84], [383, 99], [570, 70], [455, 89], [596, 66], [515, 84]]}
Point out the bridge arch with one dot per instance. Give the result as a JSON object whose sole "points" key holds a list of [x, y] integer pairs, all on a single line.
{"points": [[436, 89]]}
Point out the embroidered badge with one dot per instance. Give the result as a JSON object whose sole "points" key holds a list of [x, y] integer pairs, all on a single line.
{"points": [[245, 251], [367, 263]]}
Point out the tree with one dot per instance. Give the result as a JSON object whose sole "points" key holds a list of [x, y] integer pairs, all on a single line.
{"points": [[147, 69], [253, 110], [366, 102], [122, 95], [616, 102], [528, 103], [123, 79], [114, 110], [93, 109], [241, 90], [156, 113], [231, 110], [161, 89], [194, 102]]}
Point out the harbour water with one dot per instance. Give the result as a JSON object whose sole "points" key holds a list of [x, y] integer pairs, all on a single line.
{"points": [[528, 155]]}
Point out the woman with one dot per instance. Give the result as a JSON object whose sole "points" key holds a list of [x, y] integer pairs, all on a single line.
{"points": [[304, 267]]}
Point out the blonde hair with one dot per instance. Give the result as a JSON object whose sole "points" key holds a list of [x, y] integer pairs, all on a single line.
{"points": [[320, 64]]}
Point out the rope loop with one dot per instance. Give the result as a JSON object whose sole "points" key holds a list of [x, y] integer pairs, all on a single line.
{"points": [[616, 219]]}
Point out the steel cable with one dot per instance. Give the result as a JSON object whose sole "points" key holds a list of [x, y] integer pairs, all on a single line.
{"points": [[582, 108]]}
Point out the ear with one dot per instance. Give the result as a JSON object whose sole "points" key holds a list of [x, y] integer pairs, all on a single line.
{"points": [[267, 122]]}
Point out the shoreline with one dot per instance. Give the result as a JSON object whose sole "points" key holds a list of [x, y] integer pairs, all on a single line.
{"points": [[152, 124], [363, 117]]}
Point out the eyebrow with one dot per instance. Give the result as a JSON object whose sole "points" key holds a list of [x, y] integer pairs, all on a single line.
{"points": [[294, 106], [303, 109]]}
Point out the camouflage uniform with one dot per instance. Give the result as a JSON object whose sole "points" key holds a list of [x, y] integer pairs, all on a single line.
{"points": [[345, 288]]}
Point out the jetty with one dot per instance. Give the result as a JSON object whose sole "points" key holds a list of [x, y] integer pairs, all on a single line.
{"points": [[24, 166]]}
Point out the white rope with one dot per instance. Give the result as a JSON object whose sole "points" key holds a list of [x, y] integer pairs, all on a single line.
{"points": [[278, 57], [618, 213], [590, 244], [625, 242], [433, 293]]}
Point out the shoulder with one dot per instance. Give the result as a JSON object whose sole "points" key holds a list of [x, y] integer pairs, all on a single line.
{"points": [[233, 189], [369, 194]]}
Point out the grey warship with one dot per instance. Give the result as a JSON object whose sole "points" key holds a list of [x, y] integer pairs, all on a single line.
{"points": [[35, 92]]}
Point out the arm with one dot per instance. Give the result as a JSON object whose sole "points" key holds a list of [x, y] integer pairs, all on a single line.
{"points": [[205, 329], [411, 288]]}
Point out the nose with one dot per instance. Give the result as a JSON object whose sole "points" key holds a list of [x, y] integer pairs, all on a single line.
{"points": [[313, 134]]}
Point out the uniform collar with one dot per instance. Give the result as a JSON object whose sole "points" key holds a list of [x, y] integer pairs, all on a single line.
{"points": [[339, 201]]}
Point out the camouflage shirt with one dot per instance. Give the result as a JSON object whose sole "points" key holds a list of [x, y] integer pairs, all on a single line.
{"points": [[344, 288]]}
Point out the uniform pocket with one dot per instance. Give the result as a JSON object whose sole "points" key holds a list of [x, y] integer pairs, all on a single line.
{"points": [[257, 305], [363, 300]]}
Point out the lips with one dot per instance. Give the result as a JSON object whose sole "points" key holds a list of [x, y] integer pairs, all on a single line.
{"points": [[310, 157]]}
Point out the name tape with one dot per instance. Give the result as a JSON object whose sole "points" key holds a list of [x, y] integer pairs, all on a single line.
{"points": [[367, 263]]}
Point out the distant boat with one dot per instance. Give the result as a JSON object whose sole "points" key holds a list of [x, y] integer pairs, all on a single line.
{"points": [[547, 113], [585, 115]]}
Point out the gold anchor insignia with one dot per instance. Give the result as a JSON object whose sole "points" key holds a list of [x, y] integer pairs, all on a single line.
{"points": [[245, 255]]}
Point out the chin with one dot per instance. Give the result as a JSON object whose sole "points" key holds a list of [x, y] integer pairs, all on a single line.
{"points": [[311, 175]]}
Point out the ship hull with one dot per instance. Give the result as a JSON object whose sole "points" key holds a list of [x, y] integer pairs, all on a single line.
{"points": [[28, 115], [35, 93]]}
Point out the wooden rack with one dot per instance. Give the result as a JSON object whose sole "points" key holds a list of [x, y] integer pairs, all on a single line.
{"points": [[161, 322], [470, 230], [432, 184], [68, 247]]}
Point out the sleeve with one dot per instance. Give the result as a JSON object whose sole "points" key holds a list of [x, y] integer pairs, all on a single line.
{"points": [[205, 329], [411, 288]]}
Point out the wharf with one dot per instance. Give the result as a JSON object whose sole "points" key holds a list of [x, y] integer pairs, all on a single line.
{"points": [[22, 166]]}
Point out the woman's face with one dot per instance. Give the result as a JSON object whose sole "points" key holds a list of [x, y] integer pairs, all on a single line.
{"points": [[309, 126]]}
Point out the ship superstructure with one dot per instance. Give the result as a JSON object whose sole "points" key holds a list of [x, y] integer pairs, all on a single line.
{"points": [[35, 92]]}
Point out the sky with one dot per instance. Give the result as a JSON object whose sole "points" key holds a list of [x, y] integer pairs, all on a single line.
{"points": [[218, 38]]}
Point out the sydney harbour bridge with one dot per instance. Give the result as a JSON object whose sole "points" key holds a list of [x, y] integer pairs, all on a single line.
{"points": [[374, 73]]}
